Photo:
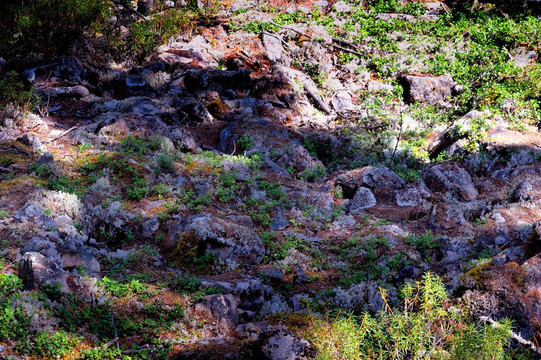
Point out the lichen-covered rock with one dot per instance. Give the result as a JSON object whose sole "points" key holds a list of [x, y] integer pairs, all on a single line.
{"points": [[381, 177], [450, 177], [75, 254], [231, 242], [279, 343], [363, 199], [31, 213], [407, 197]]}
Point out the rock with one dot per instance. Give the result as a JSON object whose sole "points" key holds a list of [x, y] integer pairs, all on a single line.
{"points": [[135, 82], [273, 46], [363, 199], [251, 291], [33, 142], [279, 222], [457, 130], [342, 102], [275, 275], [223, 308], [149, 227], [300, 277], [426, 89], [380, 178], [450, 177], [75, 254], [35, 270], [67, 92], [377, 86], [408, 196], [232, 242], [31, 213], [279, 343], [42, 246], [298, 158]]}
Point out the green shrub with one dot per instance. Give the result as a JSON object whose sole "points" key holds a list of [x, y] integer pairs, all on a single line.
{"points": [[53, 345], [47, 26], [13, 93], [422, 328]]}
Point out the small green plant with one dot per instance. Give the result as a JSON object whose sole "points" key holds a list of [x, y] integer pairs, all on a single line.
{"points": [[53, 345], [14, 93], [317, 173], [244, 143], [424, 243], [3, 214]]}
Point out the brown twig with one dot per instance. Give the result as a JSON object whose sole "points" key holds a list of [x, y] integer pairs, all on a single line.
{"points": [[62, 134]]}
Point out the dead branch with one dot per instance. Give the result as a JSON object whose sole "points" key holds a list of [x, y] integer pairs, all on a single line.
{"points": [[62, 134], [530, 345]]}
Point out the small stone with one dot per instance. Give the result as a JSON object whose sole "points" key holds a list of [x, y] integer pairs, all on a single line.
{"points": [[149, 227], [279, 222]]}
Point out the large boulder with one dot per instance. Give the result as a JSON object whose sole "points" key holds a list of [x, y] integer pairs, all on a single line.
{"points": [[204, 233], [426, 89], [36, 270], [450, 177]]}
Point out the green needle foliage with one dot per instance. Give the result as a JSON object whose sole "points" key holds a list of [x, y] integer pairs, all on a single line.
{"points": [[423, 328]]}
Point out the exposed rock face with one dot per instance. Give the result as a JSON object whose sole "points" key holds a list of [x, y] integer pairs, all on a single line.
{"points": [[451, 178], [426, 89], [230, 241]]}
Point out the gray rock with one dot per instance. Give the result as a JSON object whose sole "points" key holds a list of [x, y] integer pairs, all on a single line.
{"points": [[149, 227], [407, 197], [75, 254], [381, 178], [35, 270], [275, 275], [230, 241], [183, 140], [33, 214], [279, 222], [42, 246], [279, 343], [223, 308], [33, 142], [450, 177], [342, 102], [251, 291], [363, 199], [426, 89]]}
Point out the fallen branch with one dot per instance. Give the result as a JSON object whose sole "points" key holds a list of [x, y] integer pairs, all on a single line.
{"points": [[530, 345], [312, 91], [5, 169], [62, 134], [334, 39]]}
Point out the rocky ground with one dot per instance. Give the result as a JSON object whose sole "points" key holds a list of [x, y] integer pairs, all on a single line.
{"points": [[210, 202]]}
